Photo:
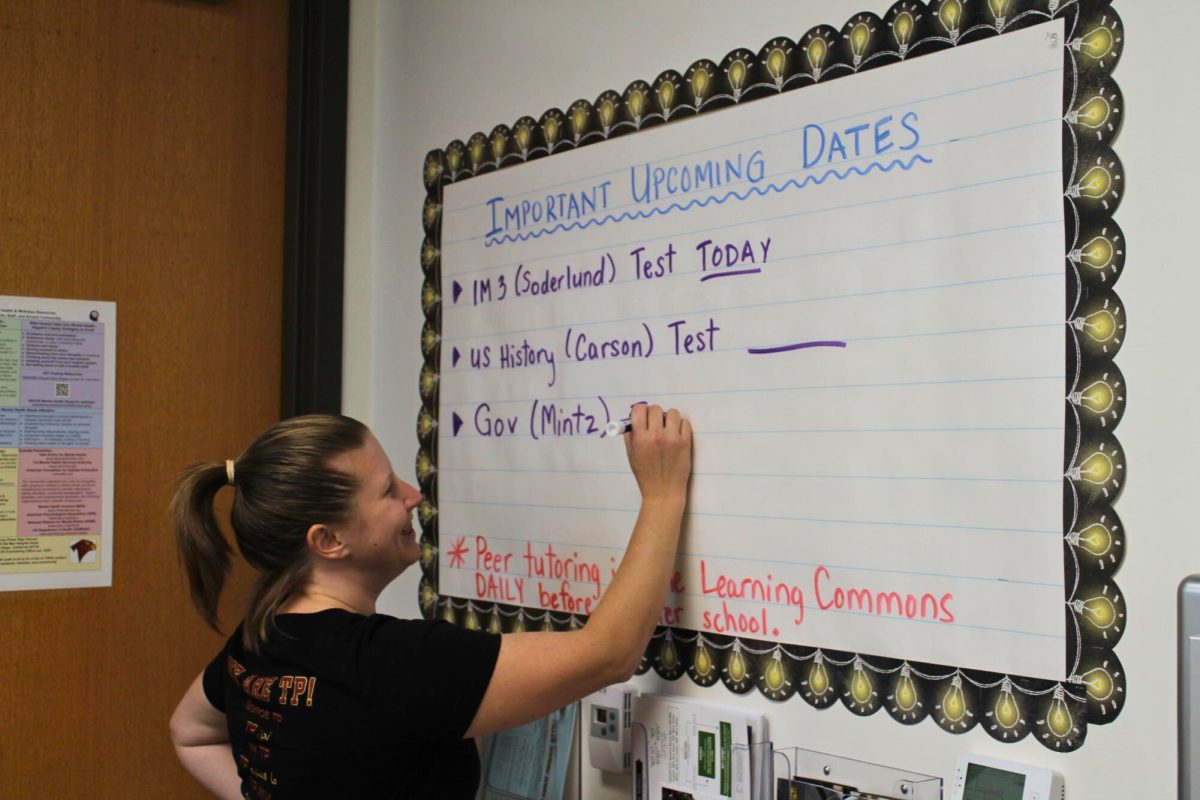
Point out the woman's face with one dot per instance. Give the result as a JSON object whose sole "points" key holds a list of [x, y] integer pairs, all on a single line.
{"points": [[380, 533]]}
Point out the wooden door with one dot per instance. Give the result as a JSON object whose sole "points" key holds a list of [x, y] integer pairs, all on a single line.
{"points": [[142, 147]]}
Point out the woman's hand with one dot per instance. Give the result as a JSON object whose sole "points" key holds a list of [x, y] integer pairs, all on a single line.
{"points": [[659, 447]]}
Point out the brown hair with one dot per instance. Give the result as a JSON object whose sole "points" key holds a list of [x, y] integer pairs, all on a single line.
{"points": [[283, 484]]}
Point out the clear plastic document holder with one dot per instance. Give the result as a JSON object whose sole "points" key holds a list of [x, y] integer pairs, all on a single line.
{"points": [[810, 775], [792, 773]]}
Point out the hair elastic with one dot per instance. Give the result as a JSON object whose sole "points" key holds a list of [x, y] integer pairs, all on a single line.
{"points": [[229, 471]]}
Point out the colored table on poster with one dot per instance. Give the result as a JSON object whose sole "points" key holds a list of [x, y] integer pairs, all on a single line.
{"points": [[56, 440]]}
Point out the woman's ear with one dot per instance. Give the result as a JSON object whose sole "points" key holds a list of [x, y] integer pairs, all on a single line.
{"points": [[326, 543]]}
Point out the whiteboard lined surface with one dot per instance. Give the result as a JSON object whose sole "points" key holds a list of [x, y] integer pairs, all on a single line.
{"points": [[863, 321]]}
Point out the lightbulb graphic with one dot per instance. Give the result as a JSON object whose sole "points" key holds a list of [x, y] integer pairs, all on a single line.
{"points": [[818, 677], [668, 656], [471, 621], [428, 596], [432, 168], [737, 76], [454, 159], [579, 117], [547, 622], [736, 667], [1096, 469], [860, 35], [429, 340], [523, 135], [428, 254], [1095, 184], [519, 624], [1099, 683], [1096, 43], [1058, 716], [903, 28], [448, 612], [1092, 114], [476, 148], [499, 145], [428, 380], [1100, 325], [666, 95], [999, 9], [1006, 712], [1097, 253], [425, 466], [550, 130], [906, 690], [699, 85], [1098, 397], [774, 673], [776, 61], [1098, 610], [431, 213], [494, 626], [815, 53], [637, 102], [860, 684], [954, 705], [426, 512], [702, 660], [428, 554], [950, 15], [607, 112], [1095, 538]]}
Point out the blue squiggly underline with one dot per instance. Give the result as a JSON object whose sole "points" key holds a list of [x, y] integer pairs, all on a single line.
{"points": [[761, 191]]}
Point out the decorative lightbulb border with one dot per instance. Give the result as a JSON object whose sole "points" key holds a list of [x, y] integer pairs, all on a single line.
{"points": [[1009, 707]]}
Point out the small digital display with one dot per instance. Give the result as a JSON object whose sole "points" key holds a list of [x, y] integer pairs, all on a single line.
{"points": [[989, 783], [601, 715]]}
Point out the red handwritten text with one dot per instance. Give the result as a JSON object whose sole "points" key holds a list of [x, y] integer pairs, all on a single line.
{"points": [[882, 603]]}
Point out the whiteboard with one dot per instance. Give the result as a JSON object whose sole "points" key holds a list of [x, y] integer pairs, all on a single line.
{"points": [[855, 293]]}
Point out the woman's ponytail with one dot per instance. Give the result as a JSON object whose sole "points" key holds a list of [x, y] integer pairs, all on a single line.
{"points": [[271, 590], [201, 545]]}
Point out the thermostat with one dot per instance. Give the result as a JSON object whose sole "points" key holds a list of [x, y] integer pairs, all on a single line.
{"points": [[984, 778], [609, 715]]}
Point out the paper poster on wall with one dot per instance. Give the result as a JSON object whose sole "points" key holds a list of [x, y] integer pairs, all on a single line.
{"points": [[57, 389], [856, 293]]}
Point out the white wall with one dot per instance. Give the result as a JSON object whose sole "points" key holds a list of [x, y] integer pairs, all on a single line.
{"points": [[424, 73]]}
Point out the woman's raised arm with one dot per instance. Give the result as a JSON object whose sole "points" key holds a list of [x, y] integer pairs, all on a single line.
{"points": [[537, 673]]}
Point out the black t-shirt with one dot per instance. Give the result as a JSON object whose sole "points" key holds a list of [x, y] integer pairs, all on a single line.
{"points": [[338, 705]]}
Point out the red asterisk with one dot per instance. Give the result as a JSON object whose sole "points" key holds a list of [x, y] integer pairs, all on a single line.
{"points": [[457, 553]]}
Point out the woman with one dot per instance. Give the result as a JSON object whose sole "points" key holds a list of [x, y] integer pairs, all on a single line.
{"points": [[316, 695]]}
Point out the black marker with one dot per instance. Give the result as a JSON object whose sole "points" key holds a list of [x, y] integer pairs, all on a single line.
{"points": [[618, 428], [623, 426]]}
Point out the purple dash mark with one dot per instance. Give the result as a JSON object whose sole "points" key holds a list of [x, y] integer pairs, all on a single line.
{"points": [[798, 346], [730, 272]]}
